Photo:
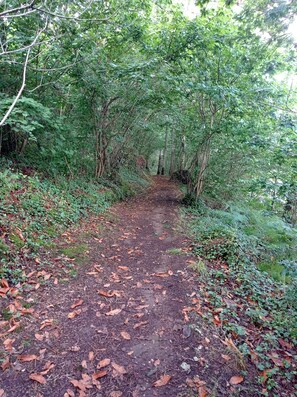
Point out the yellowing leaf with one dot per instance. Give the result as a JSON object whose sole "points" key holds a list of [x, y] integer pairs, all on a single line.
{"points": [[162, 381], [235, 380]]}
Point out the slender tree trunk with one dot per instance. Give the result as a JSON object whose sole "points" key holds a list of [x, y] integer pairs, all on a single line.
{"points": [[183, 153], [160, 163], [172, 158], [163, 170]]}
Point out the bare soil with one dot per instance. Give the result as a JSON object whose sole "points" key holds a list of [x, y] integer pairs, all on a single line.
{"points": [[132, 303]]}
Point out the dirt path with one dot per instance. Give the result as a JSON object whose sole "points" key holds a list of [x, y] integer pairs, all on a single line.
{"points": [[120, 327]]}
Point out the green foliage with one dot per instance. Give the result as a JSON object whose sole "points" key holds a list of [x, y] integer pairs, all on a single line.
{"points": [[34, 210]]}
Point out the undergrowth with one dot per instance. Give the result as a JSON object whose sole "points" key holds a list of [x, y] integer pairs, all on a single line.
{"points": [[250, 284], [35, 209]]}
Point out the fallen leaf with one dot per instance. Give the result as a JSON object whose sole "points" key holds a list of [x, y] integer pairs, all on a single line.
{"points": [[77, 303], [116, 394], [100, 374], [38, 378], [125, 335], [202, 391], [162, 381], [106, 294], [78, 384], [74, 313], [4, 283], [6, 364], [120, 369], [113, 312], [47, 367], [69, 393], [226, 357], [8, 344], [91, 356], [84, 364], [125, 268], [39, 337], [75, 348], [46, 323], [27, 357], [2, 393], [140, 324], [104, 363], [235, 380]]}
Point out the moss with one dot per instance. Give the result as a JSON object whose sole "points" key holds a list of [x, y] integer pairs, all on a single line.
{"points": [[16, 240], [75, 251], [4, 249], [275, 270]]}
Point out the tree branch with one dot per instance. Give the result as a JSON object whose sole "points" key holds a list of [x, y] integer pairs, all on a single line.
{"points": [[13, 10]]}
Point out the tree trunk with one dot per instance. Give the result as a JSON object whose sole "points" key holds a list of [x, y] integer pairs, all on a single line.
{"points": [[163, 170], [160, 163], [172, 158], [183, 153]]}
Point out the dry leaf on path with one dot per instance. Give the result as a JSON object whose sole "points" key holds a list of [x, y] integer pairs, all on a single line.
{"points": [[120, 369], [91, 356], [77, 303], [38, 378], [78, 384], [116, 394], [226, 357], [46, 323], [2, 392], [39, 337], [235, 380], [6, 364], [74, 313], [103, 363], [8, 344], [69, 393], [27, 357], [162, 381], [202, 391], [125, 335], [113, 312], [98, 375], [140, 324]]}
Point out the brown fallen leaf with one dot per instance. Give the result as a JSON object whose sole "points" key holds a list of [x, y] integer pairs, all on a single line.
{"points": [[91, 356], [113, 312], [46, 323], [77, 303], [6, 364], [125, 335], [235, 380], [103, 363], [202, 391], [8, 344], [140, 324], [2, 392], [100, 374], [106, 294], [47, 367], [162, 381], [84, 364], [27, 357], [226, 357], [4, 283], [78, 384], [73, 314], [120, 369], [124, 268], [116, 393], [69, 393], [38, 378], [39, 337]]}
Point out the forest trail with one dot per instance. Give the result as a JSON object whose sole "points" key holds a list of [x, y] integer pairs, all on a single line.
{"points": [[121, 327]]}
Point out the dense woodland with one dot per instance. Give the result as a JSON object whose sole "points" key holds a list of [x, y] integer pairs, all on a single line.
{"points": [[97, 95]]}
